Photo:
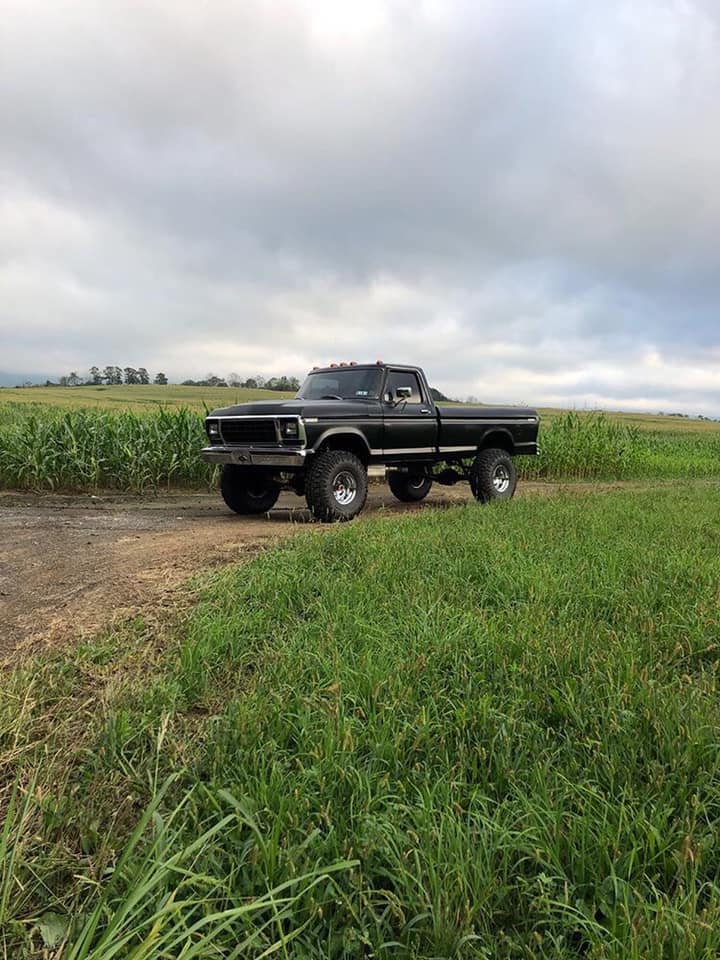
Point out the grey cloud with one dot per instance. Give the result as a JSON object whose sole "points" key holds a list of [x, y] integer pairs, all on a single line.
{"points": [[246, 185]]}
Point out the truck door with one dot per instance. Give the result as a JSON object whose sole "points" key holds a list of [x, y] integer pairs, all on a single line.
{"points": [[409, 425]]}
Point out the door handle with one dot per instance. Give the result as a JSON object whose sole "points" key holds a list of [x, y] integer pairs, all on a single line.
{"points": [[424, 410]]}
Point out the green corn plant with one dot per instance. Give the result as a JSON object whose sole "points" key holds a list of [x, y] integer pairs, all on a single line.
{"points": [[44, 448]]}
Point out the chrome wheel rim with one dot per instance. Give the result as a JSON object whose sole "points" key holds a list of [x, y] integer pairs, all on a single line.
{"points": [[416, 483], [344, 488], [501, 478]]}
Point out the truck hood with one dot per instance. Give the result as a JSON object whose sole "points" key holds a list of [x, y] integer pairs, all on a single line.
{"points": [[295, 408]]}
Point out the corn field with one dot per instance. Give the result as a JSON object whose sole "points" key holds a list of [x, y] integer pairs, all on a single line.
{"points": [[50, 449], [596, 447]]}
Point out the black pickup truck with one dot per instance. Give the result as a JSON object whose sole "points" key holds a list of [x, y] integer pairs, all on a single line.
{"points": [[347, 417]]}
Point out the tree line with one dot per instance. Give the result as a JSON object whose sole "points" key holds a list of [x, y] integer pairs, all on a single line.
{"points": [[112, 375], [285, 384], [108, 375]]}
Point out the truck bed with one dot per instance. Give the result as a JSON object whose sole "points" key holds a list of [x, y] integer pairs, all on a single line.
{"points": [[458, 426]]}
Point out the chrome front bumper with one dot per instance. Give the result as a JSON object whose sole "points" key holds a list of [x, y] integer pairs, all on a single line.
{"points": [[281, 457]]}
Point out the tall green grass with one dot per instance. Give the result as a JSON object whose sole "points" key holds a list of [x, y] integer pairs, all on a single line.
{"points": [[161, 896], [596, 447], [51, 449], [508, 716]]}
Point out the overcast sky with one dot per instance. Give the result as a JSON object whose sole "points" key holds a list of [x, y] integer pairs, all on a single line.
{"points": [[523, 197]]}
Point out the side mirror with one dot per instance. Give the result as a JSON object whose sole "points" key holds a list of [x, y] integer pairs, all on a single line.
{"points": [[403, 393]]}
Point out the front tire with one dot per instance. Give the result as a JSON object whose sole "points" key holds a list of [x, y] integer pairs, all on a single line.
{"points": [[408, 487], [247, 490], [493, 476], [336, 486]]}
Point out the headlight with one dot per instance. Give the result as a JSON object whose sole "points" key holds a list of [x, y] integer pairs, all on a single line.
{"points": [[290, 429], [213, 429]]}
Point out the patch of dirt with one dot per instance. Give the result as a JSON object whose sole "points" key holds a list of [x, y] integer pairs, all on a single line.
{"points": [[69, 565]]}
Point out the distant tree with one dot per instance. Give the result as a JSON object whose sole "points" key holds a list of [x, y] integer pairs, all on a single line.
{"points": [[112, 375], [95, 376], [63, 381], [143, 376], [233, 380], [250, 384], [160, 379], [259, 381], [74, 380], [131, 375], [189, 383]]}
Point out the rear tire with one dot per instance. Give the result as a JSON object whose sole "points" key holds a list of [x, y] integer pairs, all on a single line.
{"points": [[336, 486], [408, 487], [247, 490], [493, 476]]}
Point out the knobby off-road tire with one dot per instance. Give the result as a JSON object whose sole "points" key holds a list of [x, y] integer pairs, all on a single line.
{"points": [[493, 476], [336, 486], [247, 490], [408, 487]]}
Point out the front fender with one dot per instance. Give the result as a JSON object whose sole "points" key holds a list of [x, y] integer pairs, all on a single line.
{"points": [[340, 431]]}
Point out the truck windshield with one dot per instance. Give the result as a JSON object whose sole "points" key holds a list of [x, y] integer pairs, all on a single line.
{"points": [[346, 383]]}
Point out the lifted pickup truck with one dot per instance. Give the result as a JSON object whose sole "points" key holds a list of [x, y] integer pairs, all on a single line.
{"points": [[347, 417]]}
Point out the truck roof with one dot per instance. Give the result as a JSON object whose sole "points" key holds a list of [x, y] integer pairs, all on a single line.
{"points": [[378, 364]]}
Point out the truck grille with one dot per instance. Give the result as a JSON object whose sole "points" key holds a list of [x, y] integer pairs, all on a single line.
{"points": [[248, 431]]}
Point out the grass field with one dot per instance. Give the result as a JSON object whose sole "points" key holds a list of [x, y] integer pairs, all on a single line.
{"points": [[136, 398], [199, 398], [468, 733]]}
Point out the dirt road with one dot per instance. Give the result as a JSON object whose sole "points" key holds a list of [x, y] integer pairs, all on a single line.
{"points": [[70, 564]]}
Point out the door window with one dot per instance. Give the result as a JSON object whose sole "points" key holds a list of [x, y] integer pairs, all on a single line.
{"points": [[402, 378]]}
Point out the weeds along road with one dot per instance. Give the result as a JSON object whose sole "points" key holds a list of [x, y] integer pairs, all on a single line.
{"points": [[69, 565]]}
